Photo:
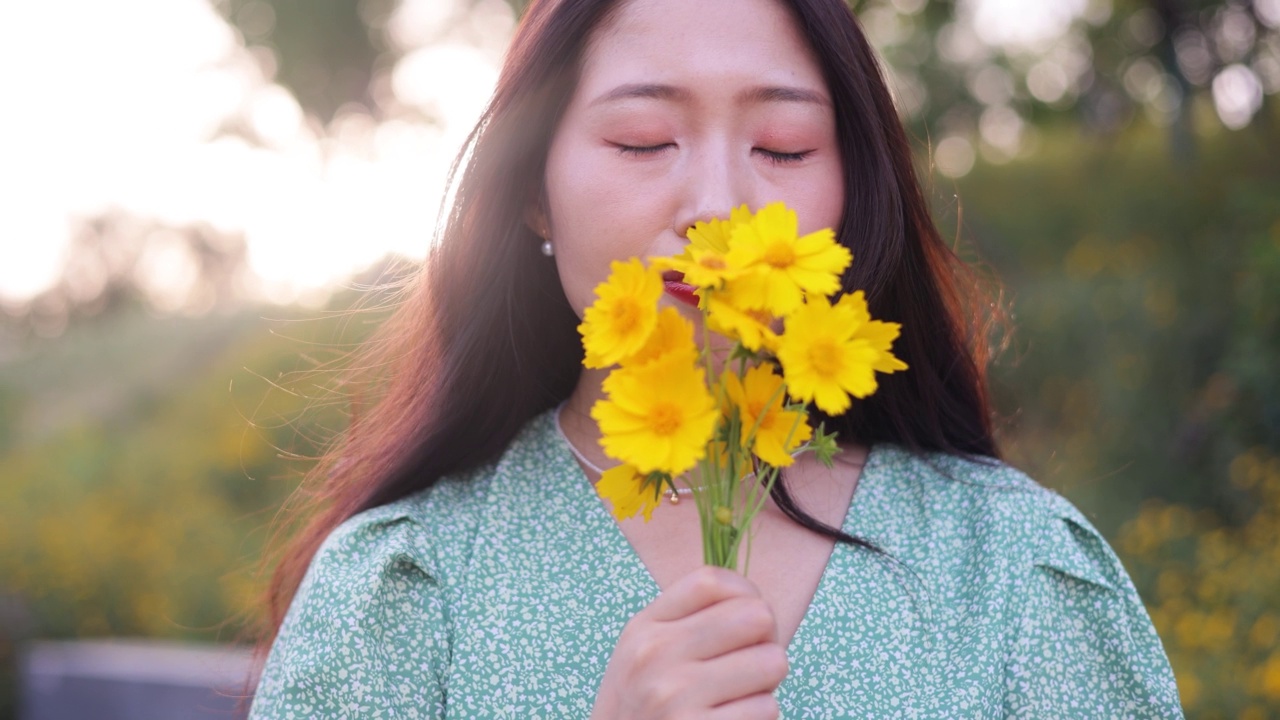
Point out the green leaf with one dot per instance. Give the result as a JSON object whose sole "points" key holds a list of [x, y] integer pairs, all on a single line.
{"points": [[824, 445]]}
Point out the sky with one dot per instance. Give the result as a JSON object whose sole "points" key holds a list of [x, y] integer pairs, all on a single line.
{"points": [[109, 113]]}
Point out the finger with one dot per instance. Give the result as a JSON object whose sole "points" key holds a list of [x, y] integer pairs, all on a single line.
{"points": [[728, 625], [699, 589], [741, 673], [762, 706]]}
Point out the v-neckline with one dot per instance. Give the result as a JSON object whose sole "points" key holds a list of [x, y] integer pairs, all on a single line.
{"points": [[601, 524]]}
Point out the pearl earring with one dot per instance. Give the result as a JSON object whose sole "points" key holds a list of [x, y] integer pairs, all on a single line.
{"points": [[547, 249]]}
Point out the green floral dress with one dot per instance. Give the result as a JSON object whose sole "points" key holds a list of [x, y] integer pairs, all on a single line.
{"points": [[501, 594]]}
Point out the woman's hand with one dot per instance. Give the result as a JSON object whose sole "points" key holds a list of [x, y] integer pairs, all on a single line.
{"points": [[706, 648]]}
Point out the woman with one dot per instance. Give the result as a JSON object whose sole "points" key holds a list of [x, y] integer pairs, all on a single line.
{"points": [[464, 567]]}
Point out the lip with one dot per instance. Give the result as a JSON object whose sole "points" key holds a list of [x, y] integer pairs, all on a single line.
{"points": [[675, 286]]}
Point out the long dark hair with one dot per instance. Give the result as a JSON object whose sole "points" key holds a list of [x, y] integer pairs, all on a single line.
{"points": [[485, 339]]}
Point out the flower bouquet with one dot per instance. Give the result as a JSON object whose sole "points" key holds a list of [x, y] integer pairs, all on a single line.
{"points": [[729, 413]]}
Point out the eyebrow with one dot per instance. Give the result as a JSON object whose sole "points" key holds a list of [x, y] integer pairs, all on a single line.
{"points": [[761, 94]]}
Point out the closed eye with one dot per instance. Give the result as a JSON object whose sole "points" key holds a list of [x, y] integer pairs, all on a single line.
{"points": [[773, 156], [783, 158], [643, 151]]}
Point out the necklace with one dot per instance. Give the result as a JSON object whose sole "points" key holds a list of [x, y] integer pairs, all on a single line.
{"points": [[673, 496]]}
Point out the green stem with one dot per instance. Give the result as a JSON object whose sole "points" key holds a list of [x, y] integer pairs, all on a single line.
{"points": [[754, 506], [716, 541]]}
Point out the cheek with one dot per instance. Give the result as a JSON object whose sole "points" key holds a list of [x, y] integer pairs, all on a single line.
{"points": [[582, 194], [596, 216], [577, 226], [579, 276], [822, 205]]}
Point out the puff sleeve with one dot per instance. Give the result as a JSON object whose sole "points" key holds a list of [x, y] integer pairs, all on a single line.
{"points": [[1084, 645], [367, 633]]}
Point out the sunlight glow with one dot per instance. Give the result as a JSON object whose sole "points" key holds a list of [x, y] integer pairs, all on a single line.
{"points": [[157, 109], [127, 109]]}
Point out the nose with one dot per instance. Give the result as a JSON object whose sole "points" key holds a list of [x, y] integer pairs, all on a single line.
{"points": [[714, 183]]}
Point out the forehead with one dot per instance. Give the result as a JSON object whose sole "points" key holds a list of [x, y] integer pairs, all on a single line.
{"points": [[699, 43]]}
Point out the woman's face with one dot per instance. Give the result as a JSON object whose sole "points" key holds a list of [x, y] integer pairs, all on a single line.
{"points": [[685, 110]]}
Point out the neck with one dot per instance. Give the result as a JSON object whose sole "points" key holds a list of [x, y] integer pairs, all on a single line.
{"points": [[575, 418]]}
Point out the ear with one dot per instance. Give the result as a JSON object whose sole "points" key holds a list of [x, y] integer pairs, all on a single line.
{"points": [[535, 218]]}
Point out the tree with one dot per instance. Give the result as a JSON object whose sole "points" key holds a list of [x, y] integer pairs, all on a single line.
{"points": [[325, 52]]}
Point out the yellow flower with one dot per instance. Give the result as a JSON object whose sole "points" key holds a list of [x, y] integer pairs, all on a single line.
{"points": [[657, 417], [785, 266], [623, 316], [730, 314], [625, 489], [703, 262], [673, 334], [714, 235], [830, 352], [759, 397], [879, 335], [701, 268]]}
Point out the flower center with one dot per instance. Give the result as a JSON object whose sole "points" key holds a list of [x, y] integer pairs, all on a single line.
{"points": [[780, 254], [626, 315], [761, 414], [665, 419], [825, 357], [712, 262]]}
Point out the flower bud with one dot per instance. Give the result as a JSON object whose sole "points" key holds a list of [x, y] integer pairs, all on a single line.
{"points": [[724, 516]]}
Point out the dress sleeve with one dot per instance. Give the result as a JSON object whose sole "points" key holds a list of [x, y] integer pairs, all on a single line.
{"points": [[367, 633], [1084, 645]]}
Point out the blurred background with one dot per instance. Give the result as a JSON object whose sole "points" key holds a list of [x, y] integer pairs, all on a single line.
{"points": [[196, 195]]}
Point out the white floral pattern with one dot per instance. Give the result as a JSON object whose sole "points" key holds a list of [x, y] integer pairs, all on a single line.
{"points": [[501, 594]]}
